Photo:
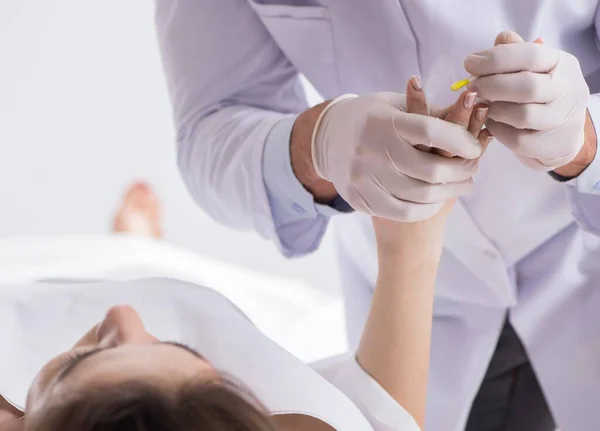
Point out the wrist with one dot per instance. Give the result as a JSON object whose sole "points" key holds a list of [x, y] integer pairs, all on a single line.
{"points": [[586, 155], [301, 156], [396, 239]]}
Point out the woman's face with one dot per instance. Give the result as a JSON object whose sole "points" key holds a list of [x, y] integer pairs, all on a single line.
{"points": [[117, 350]]}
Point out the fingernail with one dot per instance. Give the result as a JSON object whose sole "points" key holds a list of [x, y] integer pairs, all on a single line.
{"points": [[480, 113], [489, 139], [470, 100], [416, 83]]}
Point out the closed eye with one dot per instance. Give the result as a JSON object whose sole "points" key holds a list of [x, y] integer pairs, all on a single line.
{"points": [[71, 360]]}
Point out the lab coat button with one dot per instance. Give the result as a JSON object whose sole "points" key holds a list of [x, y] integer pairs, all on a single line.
{"points": [[490, 254], [597, 186]]}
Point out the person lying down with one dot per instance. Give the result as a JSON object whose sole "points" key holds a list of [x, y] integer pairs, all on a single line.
{"points": [[182, 357]]}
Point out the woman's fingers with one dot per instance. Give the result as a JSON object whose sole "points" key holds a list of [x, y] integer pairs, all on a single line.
{"points": [[478, 118], [484, 138], [464, 112], [461, 111], [416, 103]]}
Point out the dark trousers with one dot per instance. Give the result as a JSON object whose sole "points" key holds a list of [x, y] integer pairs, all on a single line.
{"points": [[510, 397]]}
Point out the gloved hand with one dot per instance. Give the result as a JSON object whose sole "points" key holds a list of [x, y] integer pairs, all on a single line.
{"points": [[392, 235], [537, 97], [366, 147]]}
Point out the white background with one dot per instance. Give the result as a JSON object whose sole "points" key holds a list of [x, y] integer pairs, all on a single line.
{"points": [[84, 111]]}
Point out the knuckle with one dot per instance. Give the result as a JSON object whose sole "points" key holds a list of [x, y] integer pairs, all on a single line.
{"points": [[468, 168], [430, 194], [434, 174], [526, 118], [422, 131], [367, 123], [427, 130], [537, 56], [496, 55], [494, 62], [531, 86]]}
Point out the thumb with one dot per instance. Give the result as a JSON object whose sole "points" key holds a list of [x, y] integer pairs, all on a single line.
{"points": [[507, 37]]}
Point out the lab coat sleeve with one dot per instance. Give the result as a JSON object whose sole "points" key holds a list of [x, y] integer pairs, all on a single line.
{"points": [[584, 191], [300, 223], [232, 90], [380, 409]]}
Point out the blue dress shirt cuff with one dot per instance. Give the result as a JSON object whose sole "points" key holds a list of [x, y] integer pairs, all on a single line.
{"points": [[589, 180], [288, 199]]}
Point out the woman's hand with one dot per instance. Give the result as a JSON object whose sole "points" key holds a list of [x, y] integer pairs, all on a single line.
{"points": [[395, 346], [465, 112]]}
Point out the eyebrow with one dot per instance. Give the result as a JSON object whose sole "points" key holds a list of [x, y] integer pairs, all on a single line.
{"points": [[71, 364]]}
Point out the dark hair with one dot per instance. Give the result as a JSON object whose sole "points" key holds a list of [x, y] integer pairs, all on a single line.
{"points": [[215, 405]]}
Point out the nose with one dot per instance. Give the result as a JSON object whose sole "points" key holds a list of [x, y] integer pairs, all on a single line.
{"points": [[122, 325]]}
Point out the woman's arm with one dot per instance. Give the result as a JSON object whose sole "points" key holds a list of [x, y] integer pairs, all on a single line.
{"points": [[396, 340], [395, 345]]}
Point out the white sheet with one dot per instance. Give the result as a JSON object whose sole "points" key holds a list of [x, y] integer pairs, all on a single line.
{"points": [[307, 323], [40, 320]]}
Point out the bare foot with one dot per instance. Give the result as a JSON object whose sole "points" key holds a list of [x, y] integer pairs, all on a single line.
{"points": [[139, 213]]}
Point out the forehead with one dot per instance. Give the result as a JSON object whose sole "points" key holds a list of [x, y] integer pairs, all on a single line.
{"points": [[162, 364]]}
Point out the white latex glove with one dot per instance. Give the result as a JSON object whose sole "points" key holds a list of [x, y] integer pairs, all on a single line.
{"points": [[537, 97], [366, 147]]}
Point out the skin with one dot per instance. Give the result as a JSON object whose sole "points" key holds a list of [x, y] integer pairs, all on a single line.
{"points": [[399, 322], [401, 315], [139, 213], [129, 353]]}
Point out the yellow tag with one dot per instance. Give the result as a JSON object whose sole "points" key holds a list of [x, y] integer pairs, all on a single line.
{"points": [[459, 84]]}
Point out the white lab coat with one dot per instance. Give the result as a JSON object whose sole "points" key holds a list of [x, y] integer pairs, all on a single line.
{"points": [[520, 243]]}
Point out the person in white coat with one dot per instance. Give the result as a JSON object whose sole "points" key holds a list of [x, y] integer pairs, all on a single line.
{"points": [[516, 343], [227, 375]]}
